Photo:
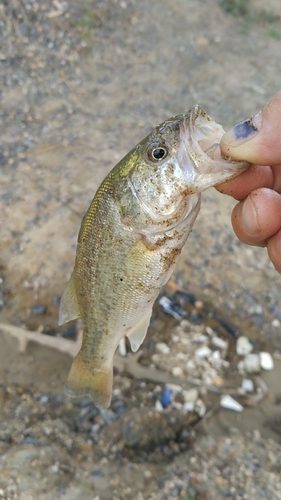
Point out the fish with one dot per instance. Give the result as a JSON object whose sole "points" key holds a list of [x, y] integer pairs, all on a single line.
{"points": [[130, 240]]}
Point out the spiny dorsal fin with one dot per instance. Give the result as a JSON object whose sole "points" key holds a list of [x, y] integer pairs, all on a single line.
{"points": [[69, 308]]}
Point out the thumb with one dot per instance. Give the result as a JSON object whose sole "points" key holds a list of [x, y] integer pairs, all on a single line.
{"points": [[257, 140]]}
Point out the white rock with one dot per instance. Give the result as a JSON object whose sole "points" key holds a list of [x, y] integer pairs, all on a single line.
{"points": [[163, 348], [247, 385], [200, 408], [158, 406], [203, 352], [199, 338], [243, 346], [209, 330], [188, 407], [176, 389], [177, 371], [190, 395], [252, 363], [230, 404], [190, 365], [276, 323], [155, 358], [266, 361], [241, 367], [218, 342], [216, 356]]}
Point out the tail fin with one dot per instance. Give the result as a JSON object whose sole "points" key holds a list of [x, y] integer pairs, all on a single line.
{"points": [[83, 378]]}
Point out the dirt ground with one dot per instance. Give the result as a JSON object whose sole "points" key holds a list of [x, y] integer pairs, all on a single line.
{"points": [[80, 84]]}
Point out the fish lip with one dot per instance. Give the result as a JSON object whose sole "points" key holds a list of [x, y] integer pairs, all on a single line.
{"points": [[200, 137]]}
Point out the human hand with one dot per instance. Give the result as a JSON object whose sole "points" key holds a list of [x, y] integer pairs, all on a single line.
{"points": [[256, 219]]}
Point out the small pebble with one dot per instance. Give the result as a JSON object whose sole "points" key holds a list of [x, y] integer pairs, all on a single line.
{"points": [[147, 473], [176, 389], [38, 309], [163, 348], [203, 352], [95, 429], [241, 367], [247, 385], [210, 331], [200, 408], [190, 395], [252, 363], [266, 361], [188, 407], [199, 338], [190, 365], [243, 346], [276, 323], [217, 381], [44, 400], [218, 342], [158, 406], [177, 371], [54, 468], [229, 403], [216, 356]]}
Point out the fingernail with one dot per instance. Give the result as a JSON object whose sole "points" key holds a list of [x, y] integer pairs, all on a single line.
{"points": [[243, 131], [249, 219]]}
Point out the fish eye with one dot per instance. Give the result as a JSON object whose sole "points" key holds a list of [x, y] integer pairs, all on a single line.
{"points": [[158, 153]]}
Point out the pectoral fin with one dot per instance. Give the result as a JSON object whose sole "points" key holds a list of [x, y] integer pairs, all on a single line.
{"points": [[69, 308], [137, 334]]}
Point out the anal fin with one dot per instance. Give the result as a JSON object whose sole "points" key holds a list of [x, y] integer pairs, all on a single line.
{"points": [[137, 333], [69, 308]]}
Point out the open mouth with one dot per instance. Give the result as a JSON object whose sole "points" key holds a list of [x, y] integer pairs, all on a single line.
{"points": [[206, 132], [203, 147]]}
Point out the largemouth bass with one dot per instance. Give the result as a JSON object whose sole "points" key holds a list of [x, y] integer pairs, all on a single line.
{"points": [[131, 238]]}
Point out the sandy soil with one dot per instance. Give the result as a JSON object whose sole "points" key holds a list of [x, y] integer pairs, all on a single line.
{"points": [[80, 84]]}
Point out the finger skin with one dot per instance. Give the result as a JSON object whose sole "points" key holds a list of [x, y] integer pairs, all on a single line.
{"points": [[262, 147], [274, 250], [258, 218], [255, 177]]}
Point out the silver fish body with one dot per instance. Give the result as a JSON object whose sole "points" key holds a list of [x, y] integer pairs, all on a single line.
{"points": [[131, 238]]}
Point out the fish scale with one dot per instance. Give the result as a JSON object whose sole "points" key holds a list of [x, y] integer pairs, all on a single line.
{"points": [[130, 240]]}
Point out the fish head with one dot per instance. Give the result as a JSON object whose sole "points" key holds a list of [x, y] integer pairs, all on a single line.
{"points": [[181, 157]]}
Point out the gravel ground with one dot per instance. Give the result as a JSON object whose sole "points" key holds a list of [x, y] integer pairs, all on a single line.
{"points": [[80, 84]]}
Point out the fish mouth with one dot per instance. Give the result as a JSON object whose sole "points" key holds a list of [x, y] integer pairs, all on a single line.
{"points": [[200, 141]]}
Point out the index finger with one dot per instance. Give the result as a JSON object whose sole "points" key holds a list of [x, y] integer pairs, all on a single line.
{"points": [[255, 177]]}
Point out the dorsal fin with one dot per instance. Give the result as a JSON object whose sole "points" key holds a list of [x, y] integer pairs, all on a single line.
{"points": [[69, 308]]}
